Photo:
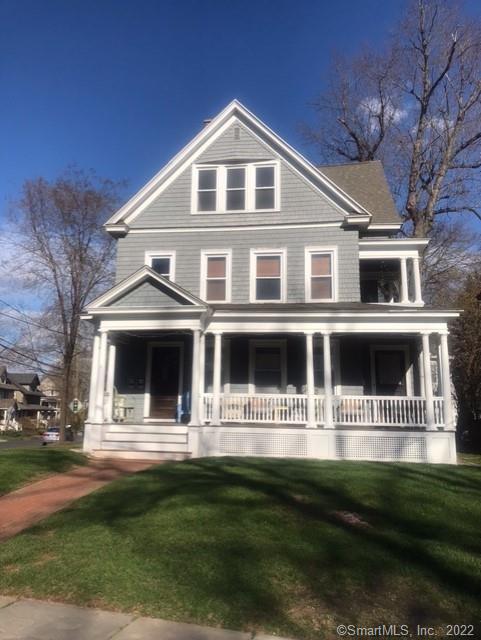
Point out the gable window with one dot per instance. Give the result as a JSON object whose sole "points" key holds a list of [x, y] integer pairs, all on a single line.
{"points": [[265, 188], [320, 280], [267, 276], [161, 263], [230, 188], [216, 276], [236, 189], [207, 190]]}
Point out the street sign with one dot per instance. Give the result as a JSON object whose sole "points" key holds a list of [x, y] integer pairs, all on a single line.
{"points": [[75, 406]]}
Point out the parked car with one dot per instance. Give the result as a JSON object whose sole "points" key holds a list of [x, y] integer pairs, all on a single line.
{"points": [[52, 434]]}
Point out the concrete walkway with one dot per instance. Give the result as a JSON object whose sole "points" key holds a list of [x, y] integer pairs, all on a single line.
{"points": [[30, 504], [26, 619]]}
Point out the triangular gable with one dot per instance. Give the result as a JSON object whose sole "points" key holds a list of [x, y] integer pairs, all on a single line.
{"points": [[234, 112], [146, 288]]}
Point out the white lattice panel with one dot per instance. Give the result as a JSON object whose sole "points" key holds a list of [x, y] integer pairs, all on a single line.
{"points": [[263, 444], [381, 447]]}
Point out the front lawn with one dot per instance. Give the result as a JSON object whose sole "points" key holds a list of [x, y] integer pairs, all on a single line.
{"points": [[284, 546], [19, 466]]}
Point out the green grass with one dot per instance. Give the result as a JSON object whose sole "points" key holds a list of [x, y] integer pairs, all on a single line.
{"points": [[286, 547], [19, 466]]}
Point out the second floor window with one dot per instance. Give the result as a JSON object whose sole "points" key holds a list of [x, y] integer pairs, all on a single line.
{"points": [[230, 188], [161, 263], [215, 275], [267, 284], [320, 283]]}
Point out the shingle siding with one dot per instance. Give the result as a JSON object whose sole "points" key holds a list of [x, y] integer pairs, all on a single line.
{"points": [[147, 295], [188, 246]]}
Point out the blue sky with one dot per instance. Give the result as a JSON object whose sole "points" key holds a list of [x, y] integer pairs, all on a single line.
{"points": [[121, 85]]}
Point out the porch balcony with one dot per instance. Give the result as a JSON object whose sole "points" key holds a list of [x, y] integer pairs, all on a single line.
{"points": [[346, 410]]}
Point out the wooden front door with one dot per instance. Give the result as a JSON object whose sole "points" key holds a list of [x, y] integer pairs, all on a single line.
{"points": [[390, 371], [165, 381]]}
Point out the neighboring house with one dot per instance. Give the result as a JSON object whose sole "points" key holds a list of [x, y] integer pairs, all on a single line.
{"points": [[50, 399], [20, 398], [264, 306]]}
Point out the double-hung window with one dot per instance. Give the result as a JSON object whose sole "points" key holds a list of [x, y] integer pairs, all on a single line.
{"points": [[161, 263], [216, 276], [320, 275], [207, 189], [228, 188], [267, 276]]}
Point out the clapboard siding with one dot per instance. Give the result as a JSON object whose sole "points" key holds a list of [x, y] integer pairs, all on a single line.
{"points": [[188, 246]]}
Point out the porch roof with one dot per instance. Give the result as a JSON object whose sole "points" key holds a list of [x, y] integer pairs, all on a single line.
{"points": [[320, 307]]}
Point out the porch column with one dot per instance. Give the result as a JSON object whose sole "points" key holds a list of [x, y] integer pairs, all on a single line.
{"points": [[404, 281], [194, 401], [428, 383], [311, 403], [109, 392], [328, 409], [217, 377], [93, 377], [446, 378], [101, 371], [200, 403], [418, 296]]}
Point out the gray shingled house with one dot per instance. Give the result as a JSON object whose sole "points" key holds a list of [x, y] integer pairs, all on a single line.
{"points": [[265, 306]]}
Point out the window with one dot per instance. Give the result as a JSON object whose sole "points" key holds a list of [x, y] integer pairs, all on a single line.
{"points": [[236, 189], [161, 263], [267, 366], [320, 281], [265, 191], [267, 276], [207, 190], [215, 276], [231, 188]]}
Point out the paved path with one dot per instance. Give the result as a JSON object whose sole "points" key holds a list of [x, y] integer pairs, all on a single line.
{"points": [[26, 619], [26, 506]]}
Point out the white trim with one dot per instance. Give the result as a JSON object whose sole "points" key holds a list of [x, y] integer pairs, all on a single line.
{"points": [[385, 226], [408, 376], [394, 242], [148, 376], [221, 187], [254, 253], [150, 255], [211, 132], [332, 251], [216, 253], [253, 345], [245, 227], [144, 273]]}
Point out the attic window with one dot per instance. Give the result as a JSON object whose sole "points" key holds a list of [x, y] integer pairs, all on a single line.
{"points": [[236, 188]]}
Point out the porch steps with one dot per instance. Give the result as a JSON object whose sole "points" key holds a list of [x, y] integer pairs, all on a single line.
{"points": [[157, 441]]}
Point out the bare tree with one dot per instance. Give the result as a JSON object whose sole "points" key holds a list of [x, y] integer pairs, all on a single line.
{"points": [[417, 107], [63, 255]]}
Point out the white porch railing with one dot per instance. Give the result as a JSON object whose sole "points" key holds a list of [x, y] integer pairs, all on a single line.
{"points": [[397, 411]]}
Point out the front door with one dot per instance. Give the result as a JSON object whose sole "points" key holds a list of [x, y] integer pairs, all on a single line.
{"points": [[165, 381], [390, 372]]}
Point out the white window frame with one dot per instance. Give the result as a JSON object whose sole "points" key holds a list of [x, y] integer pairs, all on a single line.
{"points": [[216, 253], [408, 367], [150, 255], [253, 345], [309, 251], [250, 186], [254, 253]]}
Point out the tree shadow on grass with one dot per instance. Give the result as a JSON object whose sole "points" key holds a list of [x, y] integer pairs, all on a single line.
{"points": [[262, 543]]}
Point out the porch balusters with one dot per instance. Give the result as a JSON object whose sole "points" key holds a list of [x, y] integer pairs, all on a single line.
{"points": [[311, 403], [328, 406], [446, 381], [94, 377], [194, 401], [216, 413], [428, 383]]}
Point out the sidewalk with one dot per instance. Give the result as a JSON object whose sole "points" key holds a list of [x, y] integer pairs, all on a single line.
{"points": [[26, 619], [30, 504]]}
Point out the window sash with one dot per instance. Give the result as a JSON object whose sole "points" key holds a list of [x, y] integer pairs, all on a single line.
{"points": [[168, 258], [207, 190], [211, 279], [261, 282], [316, 278]]}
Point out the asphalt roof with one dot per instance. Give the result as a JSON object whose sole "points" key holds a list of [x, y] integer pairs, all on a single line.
{"points": [[366, 182]]}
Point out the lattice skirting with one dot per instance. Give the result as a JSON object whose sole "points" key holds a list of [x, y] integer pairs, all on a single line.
{"points": [[436, 447]]}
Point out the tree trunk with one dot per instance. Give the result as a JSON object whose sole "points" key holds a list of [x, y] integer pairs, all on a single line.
{"points": [[65, 397]]}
